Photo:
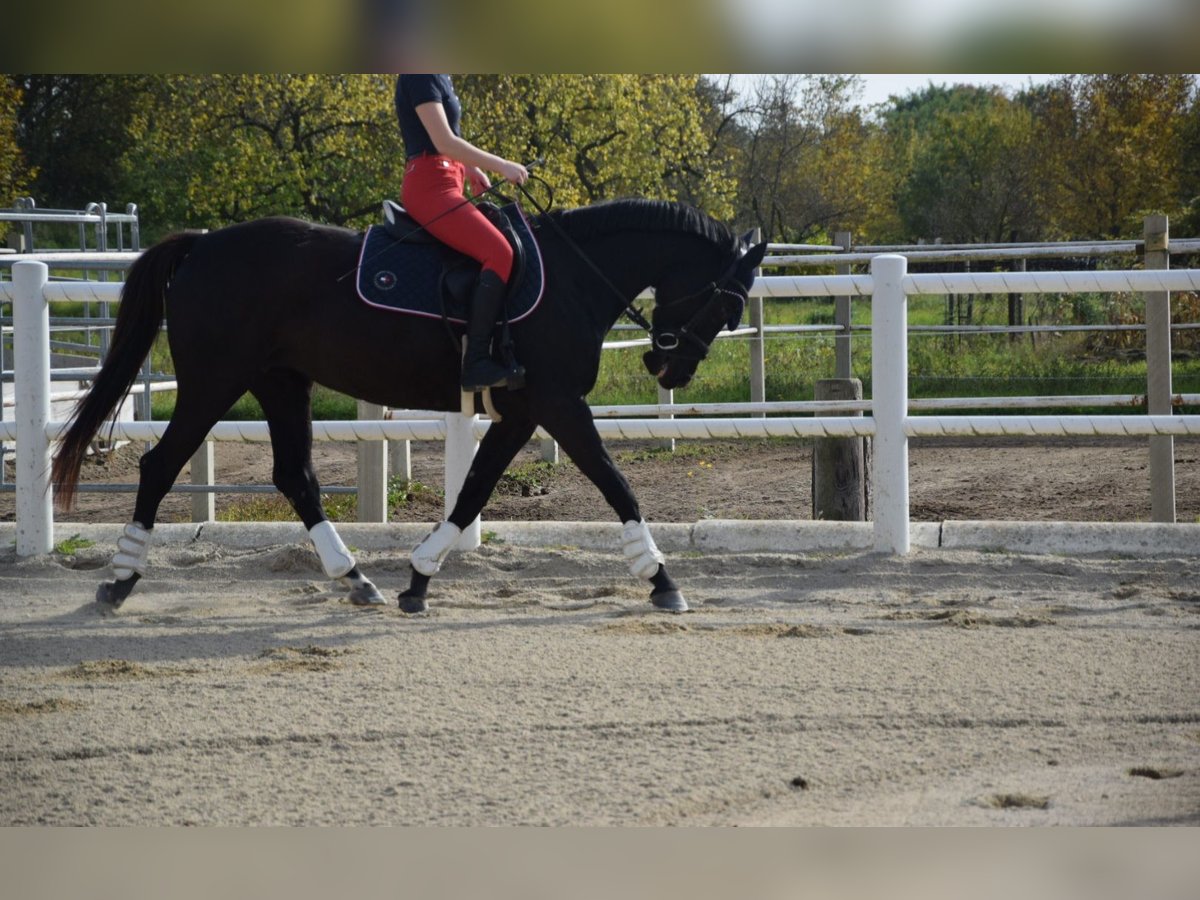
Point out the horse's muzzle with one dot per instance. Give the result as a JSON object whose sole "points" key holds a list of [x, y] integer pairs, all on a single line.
{"points": [[667, 370], [655, 362]]}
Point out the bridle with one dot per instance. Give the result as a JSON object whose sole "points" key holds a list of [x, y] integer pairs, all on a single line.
{"points": [[682, 343]]}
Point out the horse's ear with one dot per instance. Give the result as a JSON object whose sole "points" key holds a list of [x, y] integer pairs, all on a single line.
{"points": [[747, 238], [754, 256]]}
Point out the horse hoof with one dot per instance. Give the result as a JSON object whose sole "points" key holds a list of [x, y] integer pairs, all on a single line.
{"points": [[413, 603], [111, 594], [670, 601], [366, 594]]}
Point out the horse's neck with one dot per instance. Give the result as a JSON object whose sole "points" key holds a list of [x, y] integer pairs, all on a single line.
{"points": [[630, 268]]}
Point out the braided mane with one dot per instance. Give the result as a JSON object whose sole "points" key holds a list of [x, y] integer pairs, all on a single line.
{"points": [[636, 214]]}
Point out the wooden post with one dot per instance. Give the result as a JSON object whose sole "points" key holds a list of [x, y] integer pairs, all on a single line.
{"points": [[840, 490], [204, 504], [1158, 372], [372, 471], [841, 316]]}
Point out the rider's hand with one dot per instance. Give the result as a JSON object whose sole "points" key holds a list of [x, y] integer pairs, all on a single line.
{"points": [[478, 180], [513, 172]]}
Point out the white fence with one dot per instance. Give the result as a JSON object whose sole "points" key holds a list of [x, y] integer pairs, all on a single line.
{"points": [[890, 424]]}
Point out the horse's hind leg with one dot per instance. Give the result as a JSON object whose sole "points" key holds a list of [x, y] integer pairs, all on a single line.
{"points": [[501, 443], [286, 399], [570, 423], [196, 411]]}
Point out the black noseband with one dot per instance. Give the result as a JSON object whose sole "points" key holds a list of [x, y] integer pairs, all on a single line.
{"points": [[682, 343]]}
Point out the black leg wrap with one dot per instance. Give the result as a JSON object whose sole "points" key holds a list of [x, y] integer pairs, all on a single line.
{"points": [[112, 594], [413, 600], [666, 595]]}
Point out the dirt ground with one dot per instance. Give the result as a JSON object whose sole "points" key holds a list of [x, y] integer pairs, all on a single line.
{"points": [[1015, 479]]}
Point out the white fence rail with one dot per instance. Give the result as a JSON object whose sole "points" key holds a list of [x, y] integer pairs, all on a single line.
{"points": [[890, 424]]}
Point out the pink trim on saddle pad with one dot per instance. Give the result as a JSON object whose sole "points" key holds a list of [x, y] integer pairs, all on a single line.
{"points": [[541, 271]]}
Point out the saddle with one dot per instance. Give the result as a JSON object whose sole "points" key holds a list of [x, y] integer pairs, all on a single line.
{"points": [[404, 269]]}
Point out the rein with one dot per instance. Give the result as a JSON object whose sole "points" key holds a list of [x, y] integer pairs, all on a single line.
{"points": [[668, 342], [630, 310], [472, 199]]}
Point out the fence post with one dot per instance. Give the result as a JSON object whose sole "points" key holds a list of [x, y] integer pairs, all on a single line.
{"points": [[840, 486], [204, 503], [1156, 233], [758, 365], [666, 397], [841, 314], [31, 364], [1016, 305], [460, 454], [889, 402], [372, 471], [400, 459]]}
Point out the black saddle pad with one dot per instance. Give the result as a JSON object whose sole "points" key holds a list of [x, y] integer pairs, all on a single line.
{"points": [[427, 279]]}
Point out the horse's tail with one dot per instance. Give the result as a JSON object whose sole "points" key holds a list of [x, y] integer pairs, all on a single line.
{"points": [[138, 320]]}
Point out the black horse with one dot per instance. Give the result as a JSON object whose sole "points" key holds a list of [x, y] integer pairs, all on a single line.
{"points": [[262, 307]]}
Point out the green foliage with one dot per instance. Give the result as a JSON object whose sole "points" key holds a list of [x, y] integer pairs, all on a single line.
{"points": [[402, 492], [76, 128], [803, 157], [215, 149], [1083, 156], [72, 545], [602, 136], [14, 172], [1112, 148], [274, 508], [527, 479], [970, 162]]}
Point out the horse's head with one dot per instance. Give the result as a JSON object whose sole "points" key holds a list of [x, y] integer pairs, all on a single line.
{"points": [[686, 321]]}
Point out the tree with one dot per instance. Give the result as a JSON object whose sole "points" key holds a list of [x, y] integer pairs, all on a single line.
{"points": [[1110, 148], [211, 150], [76, 129], [602, 136], [14, 174], [804, 157], [1189, 195], [966, 154]]}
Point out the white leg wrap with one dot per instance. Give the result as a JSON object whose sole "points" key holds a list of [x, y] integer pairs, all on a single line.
{"points": [[335, 558], [133, 547], [427, 556], [640, 551]]}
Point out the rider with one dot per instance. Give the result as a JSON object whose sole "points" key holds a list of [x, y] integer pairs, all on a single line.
{"points": [[439, 160]]}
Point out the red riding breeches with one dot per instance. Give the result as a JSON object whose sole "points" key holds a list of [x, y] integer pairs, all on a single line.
{"points": [[433, 185]]}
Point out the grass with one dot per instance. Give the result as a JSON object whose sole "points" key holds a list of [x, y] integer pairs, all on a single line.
{"points": [[338, 507], [72, 545]]}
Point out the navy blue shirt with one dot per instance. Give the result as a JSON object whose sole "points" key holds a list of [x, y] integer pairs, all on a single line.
{"points": [[411, 92]]}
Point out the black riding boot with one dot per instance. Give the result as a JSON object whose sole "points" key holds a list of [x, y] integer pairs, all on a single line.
{"points": [[479, 370]]}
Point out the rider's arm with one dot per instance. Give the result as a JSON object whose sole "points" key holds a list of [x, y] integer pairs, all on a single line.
{"points": [[433, 117]]}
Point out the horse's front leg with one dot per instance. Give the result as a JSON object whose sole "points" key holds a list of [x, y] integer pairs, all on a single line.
{"points": [[572, 426], [503, 441]]}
